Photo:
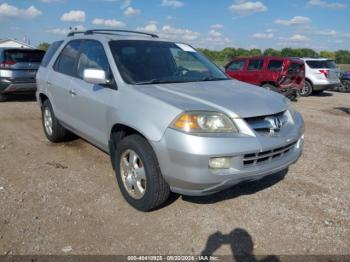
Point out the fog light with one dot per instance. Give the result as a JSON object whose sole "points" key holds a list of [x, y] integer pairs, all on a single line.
{"points": [[220, 162]]}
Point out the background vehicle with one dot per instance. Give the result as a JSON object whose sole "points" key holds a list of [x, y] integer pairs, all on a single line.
{"points": [[283, 75], [320, 74], [169, 118], [18, 67], [345, 82]]}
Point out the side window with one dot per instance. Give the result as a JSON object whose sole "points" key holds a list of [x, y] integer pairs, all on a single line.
{"points": [[236, 65], [255, 64], [275, 65], [92, 56], [49, 54], [65, 63]]}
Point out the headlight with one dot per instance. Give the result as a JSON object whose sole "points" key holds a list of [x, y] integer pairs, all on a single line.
{"points": [[204, 122]]}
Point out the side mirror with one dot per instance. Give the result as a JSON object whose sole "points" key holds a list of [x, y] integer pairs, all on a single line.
{"points": [[95, 76]]}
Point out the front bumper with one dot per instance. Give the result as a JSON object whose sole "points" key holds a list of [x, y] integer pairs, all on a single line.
{"points": [[184, 158], [10, 86]]}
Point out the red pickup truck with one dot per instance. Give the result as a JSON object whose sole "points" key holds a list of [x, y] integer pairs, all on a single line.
{"points": [[281, 74]]}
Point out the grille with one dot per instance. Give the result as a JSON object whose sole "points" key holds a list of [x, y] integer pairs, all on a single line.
{"points": [[262, 124], [261, 157]]}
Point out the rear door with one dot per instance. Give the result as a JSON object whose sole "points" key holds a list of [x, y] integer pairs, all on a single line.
{"points": [[254, 71], [325, 70], [59, 81], [20, 64]]}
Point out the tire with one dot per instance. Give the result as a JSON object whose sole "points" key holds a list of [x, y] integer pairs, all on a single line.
{"points": [[57, 133], [307, 89], [345, 86], [145, 190]]}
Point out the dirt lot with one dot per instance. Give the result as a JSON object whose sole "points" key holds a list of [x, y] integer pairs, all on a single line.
{"points": [[63, 198]]}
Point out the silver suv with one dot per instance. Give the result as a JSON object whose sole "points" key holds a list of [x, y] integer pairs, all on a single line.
{"points": [[169, 118], [320, 74]]}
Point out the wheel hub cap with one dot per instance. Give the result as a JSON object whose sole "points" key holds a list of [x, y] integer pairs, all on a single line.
{"points": [[48, 121], [133, 174]]}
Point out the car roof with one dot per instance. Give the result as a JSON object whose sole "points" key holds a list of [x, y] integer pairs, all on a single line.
{"points": [[315, 59]]}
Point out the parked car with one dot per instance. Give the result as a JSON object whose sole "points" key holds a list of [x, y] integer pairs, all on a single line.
{"points": [[18, 67], [320, 74], [169, 118], [345, 82], [283, 75]]}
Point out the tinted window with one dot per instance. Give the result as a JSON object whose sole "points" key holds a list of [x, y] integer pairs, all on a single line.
{"points": [[92, 56], [149, 62], [255, 64], [24, 55], [49, 54], [275, 65], [321, 64], [65, 63], [236, 65]]}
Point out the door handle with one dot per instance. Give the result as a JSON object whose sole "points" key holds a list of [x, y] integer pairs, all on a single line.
{"points": [[72, 92]]}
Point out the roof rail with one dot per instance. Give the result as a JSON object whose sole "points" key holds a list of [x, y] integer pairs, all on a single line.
{"points": [[72, 33], [101, 31]]}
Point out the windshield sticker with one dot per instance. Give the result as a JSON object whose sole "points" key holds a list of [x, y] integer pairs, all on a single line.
{"points": [[186, 48]]}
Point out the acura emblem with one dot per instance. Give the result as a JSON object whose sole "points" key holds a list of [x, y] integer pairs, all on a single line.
{"points": [[275, 124]]}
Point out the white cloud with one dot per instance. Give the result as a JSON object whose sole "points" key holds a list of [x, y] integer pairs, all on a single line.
{"points": [[325, 4], [130, 11], [296, 38], [73, 16], [11, 11], [215, 33], [243, 7], [263, 35], [108, 22], [178, 33], [65, 31], [217, 26], [172, 3], [296, 20], [151, 27], [327, 32]]}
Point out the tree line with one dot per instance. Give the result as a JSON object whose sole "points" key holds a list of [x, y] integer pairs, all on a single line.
{"points": [[226, 54]]}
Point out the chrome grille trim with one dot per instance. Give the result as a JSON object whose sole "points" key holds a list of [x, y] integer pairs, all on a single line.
{"points": [[260, 157]]}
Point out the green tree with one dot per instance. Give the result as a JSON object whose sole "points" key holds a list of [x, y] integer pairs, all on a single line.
{"points": [[272, 52], [342, 57], [43, 46], [327, 54], [255, 52]]}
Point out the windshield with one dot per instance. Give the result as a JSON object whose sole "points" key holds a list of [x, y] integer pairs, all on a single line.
{"points": [[321, 64], [151, 62]]}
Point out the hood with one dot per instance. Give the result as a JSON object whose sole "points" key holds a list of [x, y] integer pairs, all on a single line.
{"points": [[235, 98]]}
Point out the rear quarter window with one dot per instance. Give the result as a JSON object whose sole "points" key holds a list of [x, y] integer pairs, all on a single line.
{"points": [[50, 52], [316, 64], [236, 65]]}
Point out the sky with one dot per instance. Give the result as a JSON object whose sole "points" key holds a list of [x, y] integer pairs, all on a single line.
{"points": [[213, 24]]}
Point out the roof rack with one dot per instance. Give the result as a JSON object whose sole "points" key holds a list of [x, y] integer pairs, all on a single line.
{"points": [[109, 31]]}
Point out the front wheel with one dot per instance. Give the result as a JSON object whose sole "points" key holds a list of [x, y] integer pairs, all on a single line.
{"points": [[138, 174]]}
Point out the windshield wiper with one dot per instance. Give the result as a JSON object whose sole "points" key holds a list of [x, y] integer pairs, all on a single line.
{"points": [[211, 78], [153, 81]]}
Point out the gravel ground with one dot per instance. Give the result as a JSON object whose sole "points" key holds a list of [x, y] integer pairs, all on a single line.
{"points": [[63, 198]]}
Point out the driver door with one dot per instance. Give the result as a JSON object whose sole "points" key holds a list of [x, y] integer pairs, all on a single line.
{"points": [[90, 101]]}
